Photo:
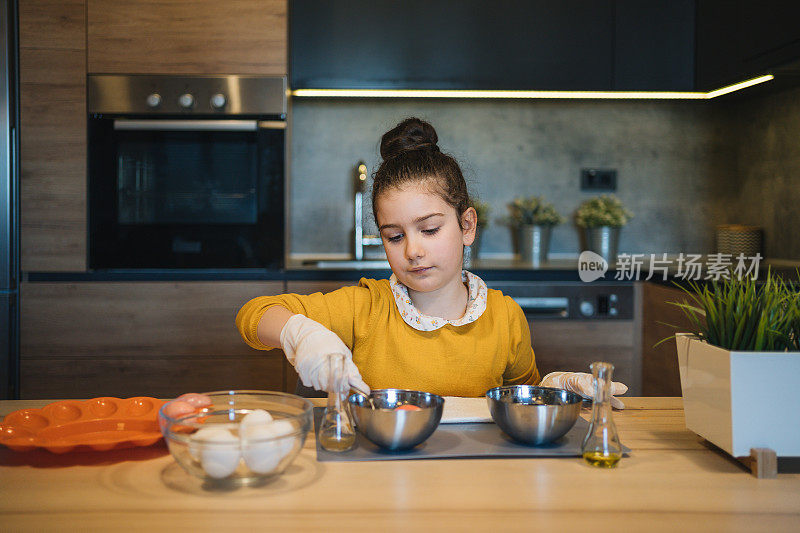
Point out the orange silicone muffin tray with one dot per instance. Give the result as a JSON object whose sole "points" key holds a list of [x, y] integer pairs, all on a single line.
{"points": [[97, 424]]}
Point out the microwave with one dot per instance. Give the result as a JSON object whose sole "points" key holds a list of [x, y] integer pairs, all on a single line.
{"points": [[186, 172]]}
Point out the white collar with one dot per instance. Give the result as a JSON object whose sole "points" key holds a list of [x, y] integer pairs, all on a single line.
{"points": [[476, 304]]}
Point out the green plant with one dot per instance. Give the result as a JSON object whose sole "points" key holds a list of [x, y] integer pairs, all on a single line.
{"points": [[740, 314], [482, 209], [533, 210], [603, 210]]}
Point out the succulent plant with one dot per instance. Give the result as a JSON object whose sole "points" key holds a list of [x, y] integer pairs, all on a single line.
{"points": [[483, 209], [603, 210], [533, 210]]}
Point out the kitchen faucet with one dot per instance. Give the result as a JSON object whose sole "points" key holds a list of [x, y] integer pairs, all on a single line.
{"points": [[362, 240]]}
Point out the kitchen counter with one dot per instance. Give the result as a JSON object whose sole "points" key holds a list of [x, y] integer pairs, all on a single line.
{"points": [[671, 481], [308, 270]]}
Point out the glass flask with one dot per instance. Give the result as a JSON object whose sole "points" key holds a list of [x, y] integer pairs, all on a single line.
{"points": [[336, 430], [601, 446]]}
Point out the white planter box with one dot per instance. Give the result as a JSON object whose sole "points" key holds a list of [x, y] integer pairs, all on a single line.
{"points": [[741, 400]]}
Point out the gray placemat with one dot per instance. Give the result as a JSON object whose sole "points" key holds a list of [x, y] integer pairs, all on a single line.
{"points": [[451, 441]]}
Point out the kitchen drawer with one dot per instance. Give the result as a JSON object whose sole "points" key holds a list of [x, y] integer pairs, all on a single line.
{"points": [[162, 376], [135, 318], [573, 345], [130, 338], [660, 376]]}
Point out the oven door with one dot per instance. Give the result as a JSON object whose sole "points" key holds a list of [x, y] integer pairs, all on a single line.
{"points": [[186, 193]]}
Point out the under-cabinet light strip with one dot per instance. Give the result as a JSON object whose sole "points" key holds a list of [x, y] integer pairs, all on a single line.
{"points": [[458, 93]]}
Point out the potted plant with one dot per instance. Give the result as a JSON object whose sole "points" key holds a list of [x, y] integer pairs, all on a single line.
{"points": [[601, 218], [533, 218], [739, 364], [482, 209]]}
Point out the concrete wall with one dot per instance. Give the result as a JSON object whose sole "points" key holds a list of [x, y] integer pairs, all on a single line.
{"points": [[767, 131], [674, 162]]}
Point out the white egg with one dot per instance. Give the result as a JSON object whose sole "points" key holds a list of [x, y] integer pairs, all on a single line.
{"points": [[282, 428], [262, 448], [201, 435], [218, 451], [258, 417], [261, 454]]}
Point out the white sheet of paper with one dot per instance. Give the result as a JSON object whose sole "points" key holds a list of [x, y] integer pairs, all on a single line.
{"points": [[457, 410]]}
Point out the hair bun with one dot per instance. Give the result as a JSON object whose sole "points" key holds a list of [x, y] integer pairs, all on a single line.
{"points": [[410, 134]]}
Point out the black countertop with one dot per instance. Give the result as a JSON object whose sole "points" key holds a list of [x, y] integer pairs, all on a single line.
{"points": [[564, 270], [297, 270]]}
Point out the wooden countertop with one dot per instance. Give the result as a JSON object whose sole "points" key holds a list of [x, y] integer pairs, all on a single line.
{"points": [[671, 481]]}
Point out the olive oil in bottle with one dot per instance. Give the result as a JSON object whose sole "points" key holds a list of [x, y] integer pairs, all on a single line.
{"points": [[603, 461], [336, 441], [601, 446], [336, 430]]}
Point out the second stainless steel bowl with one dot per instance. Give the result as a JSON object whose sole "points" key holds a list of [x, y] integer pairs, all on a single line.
{"points": [[396, 430], [533, 415]]}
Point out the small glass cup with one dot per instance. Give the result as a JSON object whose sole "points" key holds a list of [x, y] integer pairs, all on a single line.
{"points": [[336, 429]]}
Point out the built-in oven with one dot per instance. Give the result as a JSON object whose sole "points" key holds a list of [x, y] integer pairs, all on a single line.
{"points": [[571, 300], [186, 172]]}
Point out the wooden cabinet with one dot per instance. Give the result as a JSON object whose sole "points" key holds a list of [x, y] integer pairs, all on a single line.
{"points": [[52, 67], [660, 375], [572, 345], [140, 338], [179, 37]]}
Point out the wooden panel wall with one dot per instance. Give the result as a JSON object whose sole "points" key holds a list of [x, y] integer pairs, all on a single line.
{"points": [[660, 374], [197, 37], [149, 338], [53, 135], [572, 345]]}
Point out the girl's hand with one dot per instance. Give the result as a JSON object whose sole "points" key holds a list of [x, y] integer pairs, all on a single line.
{"points": [[581, 383], [309, 345]]}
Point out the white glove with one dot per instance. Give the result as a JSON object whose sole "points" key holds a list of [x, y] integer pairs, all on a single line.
{"points": [[582, 383], [309, 346]]}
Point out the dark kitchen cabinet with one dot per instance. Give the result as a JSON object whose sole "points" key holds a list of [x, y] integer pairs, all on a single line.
{"points": [[741, 39], [654, 45], [473, 44], [451, 44]]}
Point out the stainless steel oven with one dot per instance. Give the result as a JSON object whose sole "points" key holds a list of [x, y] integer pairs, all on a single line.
{"points": [[571, 300], [186, 172]]}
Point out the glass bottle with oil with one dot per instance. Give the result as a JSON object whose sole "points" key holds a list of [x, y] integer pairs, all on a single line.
{"points": [[601, 446], [336, 430]]}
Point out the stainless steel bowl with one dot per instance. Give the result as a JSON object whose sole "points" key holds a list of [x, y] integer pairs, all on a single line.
{"points": [[396, 430], [533, 415]]}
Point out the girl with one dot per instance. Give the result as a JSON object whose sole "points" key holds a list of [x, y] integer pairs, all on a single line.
{"points": [[432, 326]]}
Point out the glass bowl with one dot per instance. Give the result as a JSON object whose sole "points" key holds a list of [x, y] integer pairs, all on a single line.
{"points": [[213, 445]]}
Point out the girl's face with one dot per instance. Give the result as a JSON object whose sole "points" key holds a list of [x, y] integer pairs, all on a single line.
{"points": [[422, 237]]}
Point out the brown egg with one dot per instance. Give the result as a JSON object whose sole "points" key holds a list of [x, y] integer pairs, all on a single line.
{"points": [[408, 407], [194, 399], [178, 408]]}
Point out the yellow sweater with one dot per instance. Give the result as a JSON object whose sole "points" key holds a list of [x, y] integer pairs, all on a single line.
{"points": [[464, 360]]}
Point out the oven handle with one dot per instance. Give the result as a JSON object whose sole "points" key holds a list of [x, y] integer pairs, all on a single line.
{"points": [[543, 306], [186, 125]]}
